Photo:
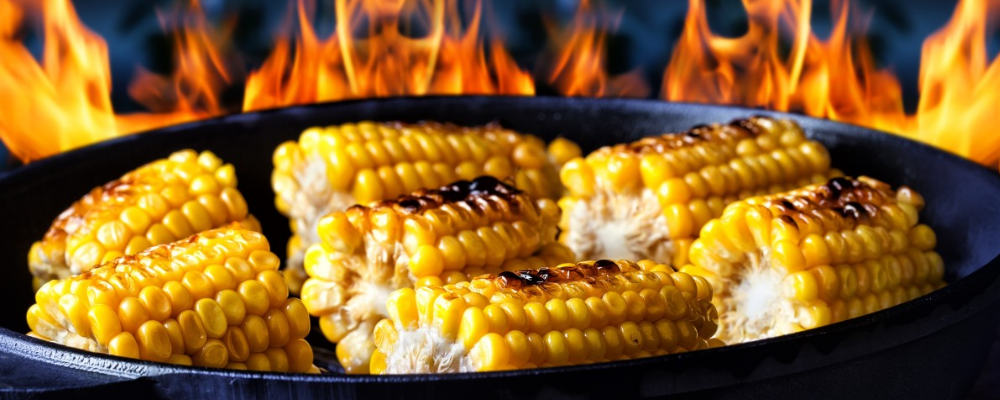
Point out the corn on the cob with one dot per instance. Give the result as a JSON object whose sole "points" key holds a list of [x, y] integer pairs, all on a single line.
{"points": [[649, 198], [330, 169], [815, 256], [214, 299], [572, 314], [431, 237], [157, 203]]}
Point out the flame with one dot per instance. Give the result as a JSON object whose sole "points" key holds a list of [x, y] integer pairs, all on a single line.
{"points": [[837, 78], [203, 68], [420, 47], [579, 68], [449, 59], [201, 71], [960, 88], [64, 102]]}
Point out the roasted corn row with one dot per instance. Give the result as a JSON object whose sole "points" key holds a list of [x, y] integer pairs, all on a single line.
{"points": [[649, 198], [157, 203], [214, 299], [330, 169], [814, 256], [431, 237], [568, 315]]}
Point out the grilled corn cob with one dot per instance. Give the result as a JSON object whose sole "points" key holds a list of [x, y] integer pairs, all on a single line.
{"points": [[815, 256], [649, 198], [157, 203], [330, 169], [214, 299], [568, 315], [431, 237]]}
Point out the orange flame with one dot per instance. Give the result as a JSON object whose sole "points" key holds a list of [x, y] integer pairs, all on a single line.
{"points": [[62, 103], [960, 88], [837, 78], [65, 103], [200, 72], [447, 60], [580, 66]]}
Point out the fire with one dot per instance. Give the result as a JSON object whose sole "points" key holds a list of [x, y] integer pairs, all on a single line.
{"points": [[422, 47], [960, 88], [579, 66], [836, 78], [448, 60], [64, 102], [204, 66]]}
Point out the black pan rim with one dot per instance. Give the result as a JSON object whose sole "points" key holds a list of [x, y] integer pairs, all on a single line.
{"points": [[31, 347]]}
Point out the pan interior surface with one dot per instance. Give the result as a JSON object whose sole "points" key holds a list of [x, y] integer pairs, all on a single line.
{"points": [[963, 206]]}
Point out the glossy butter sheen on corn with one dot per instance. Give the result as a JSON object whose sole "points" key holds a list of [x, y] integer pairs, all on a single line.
{"points": [[430, 237], [332, 168], [157, 203], [214, 299], [814, 256], [649, 198], [568, 315]]}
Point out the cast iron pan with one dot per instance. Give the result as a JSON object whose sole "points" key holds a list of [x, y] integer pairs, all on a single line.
{"points": [[932, 347]]}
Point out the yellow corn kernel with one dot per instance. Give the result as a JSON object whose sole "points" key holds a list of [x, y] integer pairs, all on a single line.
{"points": [[124, 345], [563, 150]]}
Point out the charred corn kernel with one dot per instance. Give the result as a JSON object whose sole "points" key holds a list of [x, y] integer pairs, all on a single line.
{"points": [[552, 316], [821, 254], [143, 307], [331, 169], [650, 198], [428, 238], [156, 203]]}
